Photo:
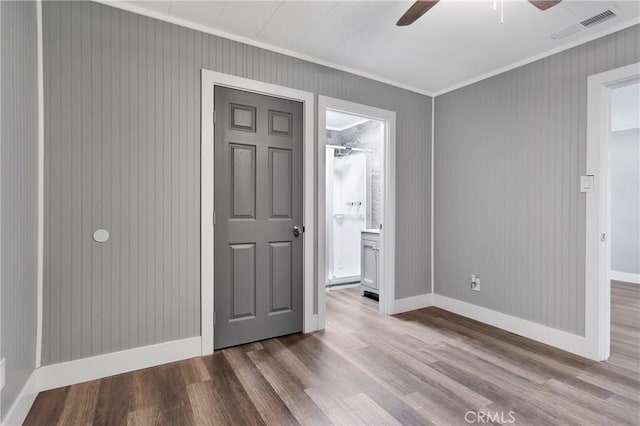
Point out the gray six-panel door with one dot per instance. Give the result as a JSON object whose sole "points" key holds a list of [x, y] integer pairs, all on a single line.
{"points": [[258, 204]]}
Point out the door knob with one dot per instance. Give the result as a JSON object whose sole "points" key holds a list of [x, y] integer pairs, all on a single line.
{"points": [[297, 230]]}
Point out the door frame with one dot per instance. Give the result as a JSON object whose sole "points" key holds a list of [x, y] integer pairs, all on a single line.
{"points": [[210, 79], [598, 223], [388, 234]]}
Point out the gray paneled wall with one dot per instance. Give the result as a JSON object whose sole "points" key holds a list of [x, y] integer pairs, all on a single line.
{"points": [[122, 134], [509, 151], [19, 191]]}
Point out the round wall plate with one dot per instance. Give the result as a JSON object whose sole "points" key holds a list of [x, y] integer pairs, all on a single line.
{"points": [[101, 235]]}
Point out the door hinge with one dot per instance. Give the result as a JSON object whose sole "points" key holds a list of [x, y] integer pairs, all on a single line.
{"points": [[214, 218], [214, 318], [214, 116]]}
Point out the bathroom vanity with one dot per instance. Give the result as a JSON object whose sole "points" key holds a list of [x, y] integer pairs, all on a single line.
{"points": [[370, 261]]}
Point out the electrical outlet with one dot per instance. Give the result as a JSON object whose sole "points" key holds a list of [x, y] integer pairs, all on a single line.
{"points": [[2, 363], [475, 283]]}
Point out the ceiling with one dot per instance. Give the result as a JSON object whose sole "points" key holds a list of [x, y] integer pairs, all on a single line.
{"points": [[455, 42], [340, 121]]}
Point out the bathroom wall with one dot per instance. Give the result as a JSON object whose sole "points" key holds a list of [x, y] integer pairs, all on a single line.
{"points": [[368, 135], [357, 177], [348, 218]]}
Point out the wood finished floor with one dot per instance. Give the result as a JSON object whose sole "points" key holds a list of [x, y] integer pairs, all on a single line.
{"points": [[422, 367]]}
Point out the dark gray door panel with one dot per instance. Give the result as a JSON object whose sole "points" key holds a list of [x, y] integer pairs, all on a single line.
{"points": [[258, 201]]}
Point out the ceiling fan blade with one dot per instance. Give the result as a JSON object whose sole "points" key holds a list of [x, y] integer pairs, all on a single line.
{"points": [[418, 9], [544, 4]]}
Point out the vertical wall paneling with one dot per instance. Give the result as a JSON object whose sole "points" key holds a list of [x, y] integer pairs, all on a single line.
{"points": [[509, 151], [122, 105], [19, 204]]}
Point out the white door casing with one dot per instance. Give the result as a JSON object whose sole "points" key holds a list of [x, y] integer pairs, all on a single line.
{"points": [[209, 79], [597, 254], [387, 237]]}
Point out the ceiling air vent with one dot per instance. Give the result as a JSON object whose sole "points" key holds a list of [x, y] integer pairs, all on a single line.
{"points": [[596, 19], [582, 25]]}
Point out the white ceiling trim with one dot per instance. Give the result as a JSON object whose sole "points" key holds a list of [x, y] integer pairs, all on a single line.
{"points": [[577, 42], [209, 30]]}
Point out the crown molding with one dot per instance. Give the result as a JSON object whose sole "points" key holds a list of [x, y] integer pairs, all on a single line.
{"points": [[248, 41], [577, 42], [123, 5]]}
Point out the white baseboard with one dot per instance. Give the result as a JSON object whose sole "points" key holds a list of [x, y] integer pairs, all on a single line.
{"points": [[541, 333], [625, 277], [96, 367], [20, 408], [82, 370], [412, 303]]}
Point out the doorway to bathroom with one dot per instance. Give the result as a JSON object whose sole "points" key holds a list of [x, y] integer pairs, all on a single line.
{"points": [[357, 200], [353, 182]]}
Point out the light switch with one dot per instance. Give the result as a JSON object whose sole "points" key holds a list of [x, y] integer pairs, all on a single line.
{"points": [[586, 183]]}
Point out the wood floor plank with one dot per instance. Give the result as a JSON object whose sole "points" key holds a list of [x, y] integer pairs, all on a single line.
{"points": [[334, 406], [600, 411], [47, 407], [526, 414], [80, 406], [289, 389], [285, 357], [349, 379], [194, 370], [229, 392], [149, 415], [597, 391], [173, 400], [325, 362], [115, 400], [146, 391], [417, 368], [346, 375], [369, 412], [507, 395], [435, 408], [208, 407], [272, 409]]}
